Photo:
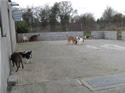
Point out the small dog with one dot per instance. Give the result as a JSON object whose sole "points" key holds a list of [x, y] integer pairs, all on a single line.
{"points": [[80, 40], [73, 39], [25, 38], [34, 37], [27, 55], [16, 59]]}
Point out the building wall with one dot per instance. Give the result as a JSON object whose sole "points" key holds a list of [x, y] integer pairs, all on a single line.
{"points": [[0, 61], [8, 42]]}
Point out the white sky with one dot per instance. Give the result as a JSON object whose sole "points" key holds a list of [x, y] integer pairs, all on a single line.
{"points": [[96, 7]]}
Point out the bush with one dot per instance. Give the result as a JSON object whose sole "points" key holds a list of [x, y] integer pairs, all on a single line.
{"points": [[86, 33], [22, 27], [119, 35]]}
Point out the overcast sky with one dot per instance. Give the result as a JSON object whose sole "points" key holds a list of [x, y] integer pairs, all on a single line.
{"points": [[96, 7]]}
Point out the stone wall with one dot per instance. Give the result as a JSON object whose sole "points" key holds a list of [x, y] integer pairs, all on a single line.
{"points": [[111, 35], [50, 36], [123, 35], [97, 34]]}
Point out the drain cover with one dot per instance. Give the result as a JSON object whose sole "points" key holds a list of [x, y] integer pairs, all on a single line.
{"points": [[107, 81]]}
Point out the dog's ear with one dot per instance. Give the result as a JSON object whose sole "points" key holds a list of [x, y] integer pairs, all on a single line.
{"points": [[30, 51], [24, 52]]}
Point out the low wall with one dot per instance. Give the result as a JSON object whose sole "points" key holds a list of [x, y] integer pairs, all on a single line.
{"points": [[123, 35], [97, 34], [111, 35], [50, 36]]}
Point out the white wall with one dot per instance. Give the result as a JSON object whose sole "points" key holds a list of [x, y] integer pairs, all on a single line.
{"points": [[7, 43], [0, 60]]}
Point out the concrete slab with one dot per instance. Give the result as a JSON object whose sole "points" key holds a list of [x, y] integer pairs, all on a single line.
{"points": [[106, 81], [103, 82]]}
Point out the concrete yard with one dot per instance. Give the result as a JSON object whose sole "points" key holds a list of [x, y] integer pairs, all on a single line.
{"points": [[58, 67]]}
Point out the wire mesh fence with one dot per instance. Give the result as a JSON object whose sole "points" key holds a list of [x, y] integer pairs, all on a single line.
{"points": [[107, 26]]}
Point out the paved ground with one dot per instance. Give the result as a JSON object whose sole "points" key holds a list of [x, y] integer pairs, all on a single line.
{"points": [[58, 67]]}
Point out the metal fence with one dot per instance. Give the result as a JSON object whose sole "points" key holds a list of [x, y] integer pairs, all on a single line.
{"points": [[107, 26]]}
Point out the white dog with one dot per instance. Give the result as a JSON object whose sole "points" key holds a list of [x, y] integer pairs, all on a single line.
{"points": [[25, 38], [80, 40]]}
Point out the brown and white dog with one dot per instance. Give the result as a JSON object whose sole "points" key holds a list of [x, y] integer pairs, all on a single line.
{"points": [[71, 38]]}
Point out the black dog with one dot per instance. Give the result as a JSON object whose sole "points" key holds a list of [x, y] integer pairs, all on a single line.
{"points": [[27, 55], [16, 60]]}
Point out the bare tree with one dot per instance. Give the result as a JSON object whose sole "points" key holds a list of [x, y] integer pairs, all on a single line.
{"points": [[53, 17], [44, 16], [65, 13], [86, 20], [107, 17], [108, 13], [28, 16]]}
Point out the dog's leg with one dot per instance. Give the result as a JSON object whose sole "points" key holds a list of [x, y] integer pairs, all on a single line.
{"points": [[17, 67], [19, 64], [13, 63], [78, 42], [27, 61], [73, 42], [30, 60], [22, 64], [16, 63], [68, 41]]}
